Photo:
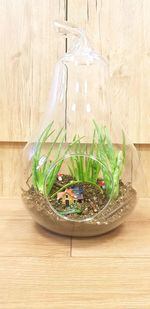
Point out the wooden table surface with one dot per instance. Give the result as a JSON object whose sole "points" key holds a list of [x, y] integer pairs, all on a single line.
{"points": [[40, 270]]}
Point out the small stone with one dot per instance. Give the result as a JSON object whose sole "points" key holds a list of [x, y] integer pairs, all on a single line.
{"points": [[85, 211]]}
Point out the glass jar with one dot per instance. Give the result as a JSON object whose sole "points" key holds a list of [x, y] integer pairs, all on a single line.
{"points": [[79, 169]]}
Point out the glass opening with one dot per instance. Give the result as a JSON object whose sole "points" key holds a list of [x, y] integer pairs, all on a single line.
{"points": [[79, 192]]}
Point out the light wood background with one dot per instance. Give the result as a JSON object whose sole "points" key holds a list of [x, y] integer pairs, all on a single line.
{"points": [[28, 49]]}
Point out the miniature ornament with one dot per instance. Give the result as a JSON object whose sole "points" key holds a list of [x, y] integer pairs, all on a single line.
{"points": [[102, 184], [89, 188], [59, 176], [67, 197], [78, 191]]}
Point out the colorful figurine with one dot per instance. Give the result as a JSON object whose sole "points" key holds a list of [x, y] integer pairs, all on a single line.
{"points": [[78, 190], [59, 176], [68, 197], [102, 184]]}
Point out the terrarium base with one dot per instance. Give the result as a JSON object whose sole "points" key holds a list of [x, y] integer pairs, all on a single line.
{"points": [[103, 222]]}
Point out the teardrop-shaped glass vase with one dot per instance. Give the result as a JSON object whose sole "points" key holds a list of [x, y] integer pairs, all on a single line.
{"points": [[79, 168]]}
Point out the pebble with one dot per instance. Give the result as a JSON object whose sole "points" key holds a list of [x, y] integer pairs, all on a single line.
{"points": [[85, 211]]}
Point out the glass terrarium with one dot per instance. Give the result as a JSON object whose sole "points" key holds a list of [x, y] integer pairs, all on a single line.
{"points": [[79, 168]]}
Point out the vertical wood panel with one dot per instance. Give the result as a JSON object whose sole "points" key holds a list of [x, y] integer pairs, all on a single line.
{"points": [[10, 168], [120, 31], [29, 49], [144, 155]]}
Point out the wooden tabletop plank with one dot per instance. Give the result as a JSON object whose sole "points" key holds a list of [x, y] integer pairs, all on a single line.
{"points": [[74, 283], [37, 271], [13, 208], [131, 239], [22, 237]]}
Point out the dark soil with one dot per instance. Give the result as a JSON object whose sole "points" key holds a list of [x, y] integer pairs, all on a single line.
{"points": [[92, 219]]}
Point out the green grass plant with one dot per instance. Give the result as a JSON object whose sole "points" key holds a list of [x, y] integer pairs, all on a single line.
{"points": [[112, 161], [39, 168], [44, 174], [84, 165]]}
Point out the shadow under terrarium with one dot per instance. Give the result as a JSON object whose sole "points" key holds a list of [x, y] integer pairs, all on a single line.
{"points": [[80, 193]]}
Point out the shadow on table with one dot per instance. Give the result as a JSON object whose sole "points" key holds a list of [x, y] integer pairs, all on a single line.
{"points": [[108, 236]]}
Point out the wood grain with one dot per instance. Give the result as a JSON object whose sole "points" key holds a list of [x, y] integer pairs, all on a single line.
{"points": [[144, 155], [37, 270], [21, 237], [29, 49], [10, 168], [129, 240], [119, 30], [72, 282]]}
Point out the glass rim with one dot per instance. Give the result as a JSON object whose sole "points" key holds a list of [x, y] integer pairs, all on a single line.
{"points": [[65, 157]]}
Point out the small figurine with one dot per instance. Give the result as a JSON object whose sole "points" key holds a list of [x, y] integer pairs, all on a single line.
{"points": [[102, 184], [78, 190], [59, 176], [68, 197]]}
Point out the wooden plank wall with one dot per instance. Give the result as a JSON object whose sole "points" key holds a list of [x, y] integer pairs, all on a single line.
{"points": [[30, 47]]}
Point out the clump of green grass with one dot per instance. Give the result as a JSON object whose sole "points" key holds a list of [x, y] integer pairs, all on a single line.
{"points": [[112, 161], [44, 172], [41, 164], [83, 165]]}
